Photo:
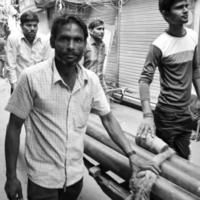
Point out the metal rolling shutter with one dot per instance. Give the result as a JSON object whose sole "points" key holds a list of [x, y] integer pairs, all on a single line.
{"points": [[141, 23]]}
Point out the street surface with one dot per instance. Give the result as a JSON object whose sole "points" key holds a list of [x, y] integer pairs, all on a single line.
{"points": [[91, 190]]}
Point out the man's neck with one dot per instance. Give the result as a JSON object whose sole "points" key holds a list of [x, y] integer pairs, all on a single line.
{"points": [[97, 40], [65, 69], [30, 41], [68, 72], [176, 30]]}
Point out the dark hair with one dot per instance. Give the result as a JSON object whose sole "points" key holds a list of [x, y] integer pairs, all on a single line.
{"points": [[95, 23], [29, 16], [165, 5], [63, 19]]}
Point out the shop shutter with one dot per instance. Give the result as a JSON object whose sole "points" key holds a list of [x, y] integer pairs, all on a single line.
{"points": [[141, 23]]}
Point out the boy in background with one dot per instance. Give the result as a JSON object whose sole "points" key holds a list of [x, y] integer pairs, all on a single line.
{"points": [[174, 52]]}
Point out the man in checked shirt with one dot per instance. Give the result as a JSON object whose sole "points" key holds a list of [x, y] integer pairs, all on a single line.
{"points": [[95, 51], [53, 99], [25, 49]]}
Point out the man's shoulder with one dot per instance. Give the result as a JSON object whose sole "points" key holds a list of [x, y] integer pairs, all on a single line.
{"points": [[43, 38], [161, 40], [39, 69], [191, 31], [89, 74], [192, 35], [14, 37], [89, 42], [90, 39]]}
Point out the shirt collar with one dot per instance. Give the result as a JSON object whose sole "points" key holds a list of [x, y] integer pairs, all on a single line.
{"points": [[91, 40], [81, 77], [56, 75]]}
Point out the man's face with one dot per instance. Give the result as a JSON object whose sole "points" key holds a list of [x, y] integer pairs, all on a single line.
{"points": [[178, 13], [29, 30], [69, 43], [98, 32]]}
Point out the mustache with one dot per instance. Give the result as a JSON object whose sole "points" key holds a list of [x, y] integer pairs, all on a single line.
{"points": [[70, 52], [32, 31]]}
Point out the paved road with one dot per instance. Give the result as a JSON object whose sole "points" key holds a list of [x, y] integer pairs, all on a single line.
{"points": [[90, 190]]}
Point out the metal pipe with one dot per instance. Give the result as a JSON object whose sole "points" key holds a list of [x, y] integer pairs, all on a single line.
{"points": [[94, 129], [110, 187], [119, 164], [183, 177]]}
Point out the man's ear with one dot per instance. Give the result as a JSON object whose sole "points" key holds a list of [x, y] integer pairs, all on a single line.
{"points": [[165, 14], [90, 31], [52, 42]]}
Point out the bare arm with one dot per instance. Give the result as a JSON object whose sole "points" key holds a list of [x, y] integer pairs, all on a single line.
{"points": [[116, 133], [196, 83], [196, 73], [147, 124], [152, 61], [13, 186]]}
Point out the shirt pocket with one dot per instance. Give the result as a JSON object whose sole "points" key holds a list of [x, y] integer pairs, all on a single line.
{"points": [[81, 110], [80, 120]]}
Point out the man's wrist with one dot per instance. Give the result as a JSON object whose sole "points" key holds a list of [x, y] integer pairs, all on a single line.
{"points": [[11, 176], [133, 162], [130, 153], [148, 114]]}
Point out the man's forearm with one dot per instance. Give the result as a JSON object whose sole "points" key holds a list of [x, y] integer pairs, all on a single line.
{"points": [[11, 151], [12, 75], [116, 133], [196, 83], [146, 108], [145, 98], [11, 62]]}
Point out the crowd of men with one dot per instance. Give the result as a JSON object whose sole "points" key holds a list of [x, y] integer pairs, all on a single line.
{"points": [[53, 93]]}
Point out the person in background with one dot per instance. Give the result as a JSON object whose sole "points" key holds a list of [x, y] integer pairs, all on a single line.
{"points": [[4, 33], [175, 54], [95, 52], [25, 49], [54, 99]]}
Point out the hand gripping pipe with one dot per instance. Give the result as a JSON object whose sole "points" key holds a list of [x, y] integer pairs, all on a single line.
{"points": [[119, 164], [176, 170]]}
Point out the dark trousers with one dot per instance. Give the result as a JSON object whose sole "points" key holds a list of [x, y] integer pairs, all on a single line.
{"points": [[175, 129], [36, 192]]}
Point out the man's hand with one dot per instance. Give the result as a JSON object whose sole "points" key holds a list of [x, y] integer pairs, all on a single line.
{"points": [[13, 189], [146, 127], [141, 166], [198, 104]]}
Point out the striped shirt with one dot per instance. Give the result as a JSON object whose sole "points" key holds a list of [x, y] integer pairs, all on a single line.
{"points": [[21, 54], [176, 59], [56, 120]]}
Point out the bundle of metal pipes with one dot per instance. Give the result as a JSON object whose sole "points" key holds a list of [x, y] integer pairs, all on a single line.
{"points": [[179, 180]]}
